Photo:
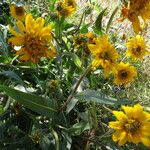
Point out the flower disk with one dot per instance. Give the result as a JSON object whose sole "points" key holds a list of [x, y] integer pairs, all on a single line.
{"points": [[35, 39], [137, 48], [104, 54], [17, 12], [132, 125], [124, 73]]}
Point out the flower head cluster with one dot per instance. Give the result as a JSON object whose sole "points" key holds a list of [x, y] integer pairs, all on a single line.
{"points": [[104, 54], [35, 39], [137, 48], [132, 125], [136, 9], [17, 12], [66, 8]]}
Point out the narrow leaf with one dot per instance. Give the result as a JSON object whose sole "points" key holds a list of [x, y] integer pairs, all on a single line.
{"points": [[111, 19], [3, 44], [99, 97], [77, 60], [12, 75], [98, 22], [33, 102]]}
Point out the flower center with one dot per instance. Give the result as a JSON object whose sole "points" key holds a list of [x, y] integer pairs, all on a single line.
{"points": [[105, 56], [123, 74], [137, 50], [19, 11], [35, 46], [132, 126]]}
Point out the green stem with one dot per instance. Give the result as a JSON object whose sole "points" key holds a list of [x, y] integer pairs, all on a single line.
{"points": [[75, 88]]}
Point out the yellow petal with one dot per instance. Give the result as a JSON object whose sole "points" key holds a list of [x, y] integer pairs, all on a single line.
{"points": [[51, 53], [117, 135], [120, 116], [46, 32], [146, 141], [21, 51], [25, 57], [40, 21], [145, 129], [123, 139], [135, 139], [18, 41], [115, 125], [29, 22], [92, 48], [136, 25]]}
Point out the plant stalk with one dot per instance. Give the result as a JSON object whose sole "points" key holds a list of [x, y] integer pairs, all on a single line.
{"points": [[75, 88]]}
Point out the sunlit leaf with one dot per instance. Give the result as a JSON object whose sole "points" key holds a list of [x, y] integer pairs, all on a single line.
{"points": [[111, 19], [33, 102], [99, 97], [98, 22]]}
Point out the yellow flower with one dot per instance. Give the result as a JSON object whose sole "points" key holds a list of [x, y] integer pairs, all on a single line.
{"points": [[71, 3], [124, 73], [136, 9], [104, 54], [137, 48], [66, 8], [17, 12], [35, 39], [132, 125]]}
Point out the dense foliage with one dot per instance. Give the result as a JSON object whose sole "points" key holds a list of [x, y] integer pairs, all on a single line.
{"points": [[68, 79]]}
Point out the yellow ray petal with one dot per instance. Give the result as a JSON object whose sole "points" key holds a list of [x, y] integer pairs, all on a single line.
{"points": [[117, 135], [18, 41], [25, 57], [40, 21], [115, 125], [120, 116], [29, 22], [122, 139], [146, 141]]}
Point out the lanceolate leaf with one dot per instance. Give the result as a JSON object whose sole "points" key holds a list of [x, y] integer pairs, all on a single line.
{"points": [[99, 97], [33, 102], [3, 44], [111, 19], [12, 75], [98, 22]]}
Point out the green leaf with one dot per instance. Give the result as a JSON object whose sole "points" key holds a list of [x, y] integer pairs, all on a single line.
{"points": [[12, 75], [78, 128], [98, 22], [3, 44], [99, 97], [84, 28], [111, 19], [52, 4], [76, 60], [71, 105], [1, 109], [33, 102]]}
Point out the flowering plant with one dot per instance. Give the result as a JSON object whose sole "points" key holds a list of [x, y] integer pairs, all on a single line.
{"points": [[67, 67]]}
